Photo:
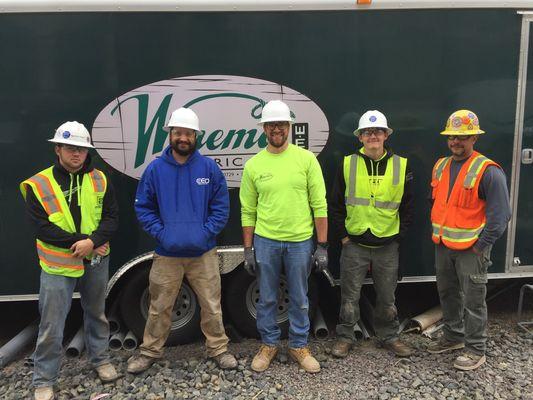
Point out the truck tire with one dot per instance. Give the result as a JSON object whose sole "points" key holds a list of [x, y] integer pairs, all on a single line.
{"points": [[135, 301], [241, 294]]}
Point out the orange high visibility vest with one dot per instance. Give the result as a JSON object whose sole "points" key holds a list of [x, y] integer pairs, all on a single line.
{"points": [[57, 260], [458, 219]]}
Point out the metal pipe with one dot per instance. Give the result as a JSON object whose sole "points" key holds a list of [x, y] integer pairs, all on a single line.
{"points": [[130, 341], [360, 330], [320, 329], [423, 321], [76, 345], [15, 345], [116, 341], [114, 319]]}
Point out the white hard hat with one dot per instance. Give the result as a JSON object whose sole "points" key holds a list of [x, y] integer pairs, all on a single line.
{"points": [[183, 118], [275, 110], [373, 119], [72, 133]]}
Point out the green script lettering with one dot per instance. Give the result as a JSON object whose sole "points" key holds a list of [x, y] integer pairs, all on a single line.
{"points": [[145, 134], [233, 140]]}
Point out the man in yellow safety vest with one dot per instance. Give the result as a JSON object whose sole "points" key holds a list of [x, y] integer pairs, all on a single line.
{"points": [[371, 209], [74, 213]]}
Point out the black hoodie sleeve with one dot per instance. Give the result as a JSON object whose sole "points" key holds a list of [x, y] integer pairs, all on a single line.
{"points": [[109, 222], [337, 205], [407, 203], [44, 229]]}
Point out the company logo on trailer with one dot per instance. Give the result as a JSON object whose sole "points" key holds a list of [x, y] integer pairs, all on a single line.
{"points": [[128, 132]]}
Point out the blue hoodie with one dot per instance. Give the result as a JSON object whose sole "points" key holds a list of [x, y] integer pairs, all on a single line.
{"points": [[183, 206]]}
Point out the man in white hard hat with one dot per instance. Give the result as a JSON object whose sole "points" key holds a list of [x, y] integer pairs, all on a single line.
{"points": [[371, 209], [470, 212], [283, 198], [182, 201], [74, 213]]}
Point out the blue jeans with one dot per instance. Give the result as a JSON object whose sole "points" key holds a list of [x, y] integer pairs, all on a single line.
{"points": [[55, 298], [296, 257]]}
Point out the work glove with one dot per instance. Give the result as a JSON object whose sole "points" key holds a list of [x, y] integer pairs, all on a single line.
{"points": [[320, 257], [249, 260]]}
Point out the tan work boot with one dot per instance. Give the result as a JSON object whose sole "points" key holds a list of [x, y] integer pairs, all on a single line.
{"points": [[107, 373], [140, 363], [226, 360], [443, 345], [341, 348], [469, 361], [306, 360], [399, 348], [44, 393], [264, 357]]}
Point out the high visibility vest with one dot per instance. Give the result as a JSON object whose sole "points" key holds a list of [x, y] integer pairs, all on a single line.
{"points": [[458, 219], [373, 202], [57, 260]]}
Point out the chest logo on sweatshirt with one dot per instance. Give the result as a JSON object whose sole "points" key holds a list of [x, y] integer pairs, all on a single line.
{"points": [[128, 132], [202, 181]]}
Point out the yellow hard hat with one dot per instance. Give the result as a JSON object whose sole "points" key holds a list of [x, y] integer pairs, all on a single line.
{"points": [[462, 122]]}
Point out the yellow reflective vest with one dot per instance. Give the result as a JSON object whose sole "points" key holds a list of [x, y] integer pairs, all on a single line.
{"points": [[373, 202], [57, 260]]}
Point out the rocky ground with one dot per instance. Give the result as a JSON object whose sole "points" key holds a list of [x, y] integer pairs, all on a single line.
{"points": [[367, 373]]}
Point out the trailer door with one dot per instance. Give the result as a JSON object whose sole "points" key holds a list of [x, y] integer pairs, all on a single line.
{"points": [[521, 228]]}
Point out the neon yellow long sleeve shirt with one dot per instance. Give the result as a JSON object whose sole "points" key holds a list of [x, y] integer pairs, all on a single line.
{"points": [[282, 193]]}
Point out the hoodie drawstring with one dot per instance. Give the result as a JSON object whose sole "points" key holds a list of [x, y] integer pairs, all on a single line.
{"points": [[78, 190], [70, 189]]}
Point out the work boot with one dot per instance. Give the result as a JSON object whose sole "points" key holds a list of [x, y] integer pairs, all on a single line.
{"points": [[443, 345], [264, 357], [107, 373], [399, 348], [140, 363], [304, 357], [469, 361], [44, 393], [341, 348], [226, 360]]}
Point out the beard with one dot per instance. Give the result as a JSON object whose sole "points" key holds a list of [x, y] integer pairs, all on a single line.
{"points": [[182, 150], [272, 141]]}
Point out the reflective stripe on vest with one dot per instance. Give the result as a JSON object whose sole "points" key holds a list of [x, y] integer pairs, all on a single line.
{"points": [[362, 201], [97, 179], [440, 167], [458, 229], [54, 259], [46, 193], [58, 259], [473, 171], [372, 202], [457, 234]]}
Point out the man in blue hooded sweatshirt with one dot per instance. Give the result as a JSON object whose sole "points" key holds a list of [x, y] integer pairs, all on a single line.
{"points": [[183, 202]]}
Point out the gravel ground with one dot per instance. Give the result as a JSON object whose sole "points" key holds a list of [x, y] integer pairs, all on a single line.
{"points": [[367, 373]]}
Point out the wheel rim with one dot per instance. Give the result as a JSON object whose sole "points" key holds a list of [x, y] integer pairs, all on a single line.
{"points": [[184, 307], [252, 298]]}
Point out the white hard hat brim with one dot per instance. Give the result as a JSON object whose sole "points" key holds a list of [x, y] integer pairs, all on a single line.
{"points": [[70, 142], [290, 121], [167, 128]]}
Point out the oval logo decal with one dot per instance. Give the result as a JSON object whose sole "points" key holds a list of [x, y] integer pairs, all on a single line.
{"points": [[128, 133]]}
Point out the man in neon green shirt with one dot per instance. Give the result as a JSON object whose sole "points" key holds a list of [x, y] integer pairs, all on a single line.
{"points": [[371, 209], [283, 197]]}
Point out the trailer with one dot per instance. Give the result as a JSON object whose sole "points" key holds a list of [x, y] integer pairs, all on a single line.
{"points": [[121, 67]]}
